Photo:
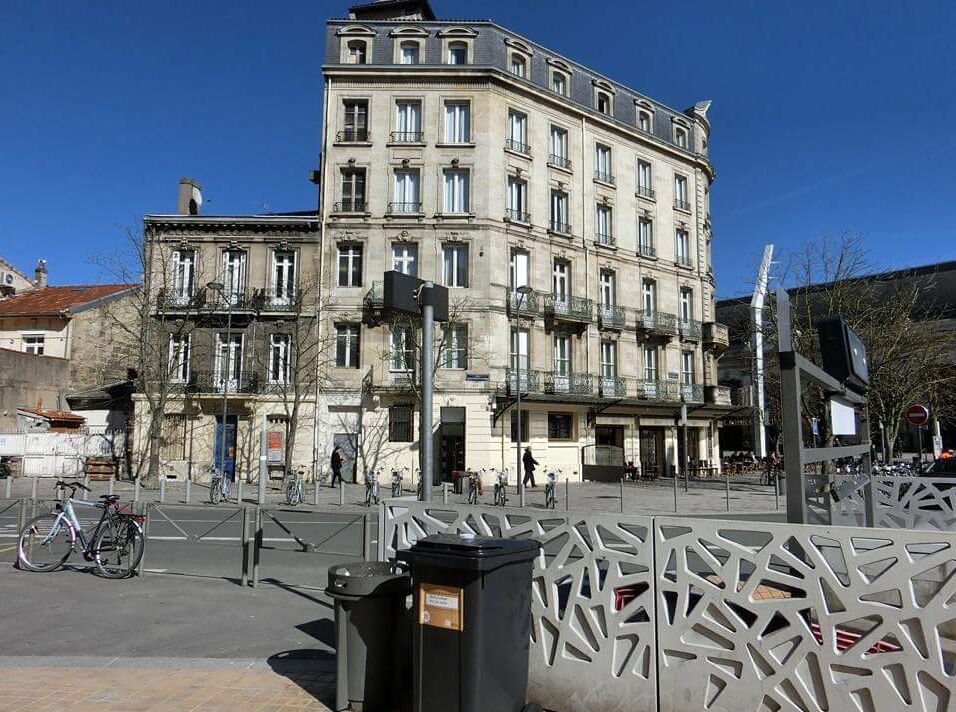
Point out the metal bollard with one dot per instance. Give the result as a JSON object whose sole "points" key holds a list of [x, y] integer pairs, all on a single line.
{"points": [[136, 489], [33, 489], [256, 546], [22, 516], [341, 493], [86, 483], [109, 489], [622, 495], [727, 489], [162, 490], [7, 486], [567, 494], [675, 491], [444, 493], [521, 496], [315, 495], [239, 491], [144, 511], [189, 484], [366, 528], [776, 493], [244, 576]]}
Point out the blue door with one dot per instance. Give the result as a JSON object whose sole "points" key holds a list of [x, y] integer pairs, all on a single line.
{"points": [[230, 433]]}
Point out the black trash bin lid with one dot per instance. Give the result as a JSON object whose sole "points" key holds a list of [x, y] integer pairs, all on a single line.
{"points": [[369, 579], [469, 552]]}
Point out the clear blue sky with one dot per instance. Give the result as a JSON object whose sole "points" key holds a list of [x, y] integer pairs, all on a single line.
{"points": [[827, 118]]}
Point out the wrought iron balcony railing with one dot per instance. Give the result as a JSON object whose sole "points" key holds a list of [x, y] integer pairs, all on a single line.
{"points": [[559, 161], [517, 215], [523, 304], [645, 191], [406, 137], [657, 322], [611, 316], [181, 300], [277, 300], [530, 381], [684, 260], [562, 228], [718, 395], [352, 136], [692, 392], [613, 387], [646, 250], [245, 382], [606, 240], [604, 177], [350, 205], [716, 336], [404, 208], [513, 145], [573, 308], [681, 205], [237, 300], [658, 390], [571, 383], [690, 329], [375, 296]]}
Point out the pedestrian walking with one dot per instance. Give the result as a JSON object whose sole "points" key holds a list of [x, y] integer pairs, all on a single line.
{"points": [[529, 463], [336, 466]]}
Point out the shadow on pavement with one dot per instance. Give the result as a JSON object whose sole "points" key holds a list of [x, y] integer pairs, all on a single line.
{"points": [[312, 670]]}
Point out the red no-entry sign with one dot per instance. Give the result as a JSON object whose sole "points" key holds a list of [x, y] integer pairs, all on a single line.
{"points": [[917, 414]]}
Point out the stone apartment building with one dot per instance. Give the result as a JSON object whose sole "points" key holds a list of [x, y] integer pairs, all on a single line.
{"points": [[464, 153]]}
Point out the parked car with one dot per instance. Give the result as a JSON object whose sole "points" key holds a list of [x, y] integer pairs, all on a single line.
{"points": [[942, 467]]}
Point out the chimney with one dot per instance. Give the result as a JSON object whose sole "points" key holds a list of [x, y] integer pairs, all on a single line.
{"points": [[190, 197], [39, 275]]}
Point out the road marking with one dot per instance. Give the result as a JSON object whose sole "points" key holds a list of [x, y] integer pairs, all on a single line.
{"points": [[7, 548]]}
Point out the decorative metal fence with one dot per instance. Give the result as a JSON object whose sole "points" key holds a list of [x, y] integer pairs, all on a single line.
{"points": [[906, 503]]}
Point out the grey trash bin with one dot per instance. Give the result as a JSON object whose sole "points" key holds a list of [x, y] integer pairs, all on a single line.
{"points": [[372, 624]]}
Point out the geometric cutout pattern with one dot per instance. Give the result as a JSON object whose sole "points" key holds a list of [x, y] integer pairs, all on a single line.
{"points": [[907, 503]]}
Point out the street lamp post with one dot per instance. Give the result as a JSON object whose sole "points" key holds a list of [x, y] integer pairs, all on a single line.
{"points": [[225, 369], [522, 292]]}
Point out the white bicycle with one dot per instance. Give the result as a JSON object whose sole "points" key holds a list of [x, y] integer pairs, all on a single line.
{"points": [[371, 486]]}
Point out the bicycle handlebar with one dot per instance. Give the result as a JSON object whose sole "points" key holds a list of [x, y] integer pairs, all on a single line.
{"points": [[60, 484]]}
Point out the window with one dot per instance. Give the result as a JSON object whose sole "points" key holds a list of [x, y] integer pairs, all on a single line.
{"points": [[407, 195], [408, 122], [455, 265], [680, 193], [602, 163], [609, 362], [650, 363], [456, 191], [525, 422], [603, 103], [559, 212], [234, 275], [353, 190], [455, 338], [560, 426], [283, 277], [686, 304], [405, 258], [687, 367], [680, 137], [519, 350], [457, 122], [457, 53], [356, 121], [644, 120], [402, 356], [178, 357], [519, 269], [400, 424], [408, 53], [519, 67], [173, 437], [608, 287], [562, 363], [518, 200], [356, 52], [350, 265], [603, 224], [645, 237], [184, 275], [517, 132], [645, 180], [561, 280], [682, 248], [649, 296], [279, 358], [559, 83], [228, 362], [347, 340], [559, 148]]}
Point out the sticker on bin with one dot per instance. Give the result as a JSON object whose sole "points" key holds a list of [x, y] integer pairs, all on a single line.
{"points": [[440, 606]]}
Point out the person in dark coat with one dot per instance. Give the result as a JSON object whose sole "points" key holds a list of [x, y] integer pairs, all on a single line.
{"points": [[336, 465], [529, 463]]}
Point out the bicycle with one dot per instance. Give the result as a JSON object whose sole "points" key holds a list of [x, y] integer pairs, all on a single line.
{"points": [[421, 484], [501, 488], [474, 486], [397, 477], [218, 486], [294, 489], [549, 488], [371, 487], [115, 545]]}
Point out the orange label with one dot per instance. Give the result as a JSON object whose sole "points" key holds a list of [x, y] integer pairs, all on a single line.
{"points": [[440, 606]]}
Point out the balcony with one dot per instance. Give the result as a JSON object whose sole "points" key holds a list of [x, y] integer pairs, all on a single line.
{"points": [[572, 309], [352, 136], [684, 260], [612, 387], [603, 177], [718, 395], [691, 392], [611, 316], [716, 336], [406, 208], [681, 205], [644, 191], [517, 147], [530, 381], [350, 205], [655, 323], [579, 384], [180, 300], [281, 301], [373, 304], [663, 391], [560, 228], [559, 161], [605, 240], [522, 304], [512, 215], [212, 382], [646, 251], [406, 137], [690, 330], [237, 301]]}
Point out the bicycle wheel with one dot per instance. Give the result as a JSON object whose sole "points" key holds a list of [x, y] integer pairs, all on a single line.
{"points": [[118, 547], [45, 543], [215, 493]]}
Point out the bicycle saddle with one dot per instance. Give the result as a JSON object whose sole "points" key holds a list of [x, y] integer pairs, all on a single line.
{"points": [[110, 498]]}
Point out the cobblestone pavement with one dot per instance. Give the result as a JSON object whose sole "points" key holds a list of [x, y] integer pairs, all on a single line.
{"points": [[162, 685]]}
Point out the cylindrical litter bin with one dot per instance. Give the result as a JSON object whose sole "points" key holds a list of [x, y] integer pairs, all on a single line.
{"points": [[472, 622], [371, 634]]}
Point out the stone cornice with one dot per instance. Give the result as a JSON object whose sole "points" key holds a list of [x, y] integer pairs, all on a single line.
{"points": [[291, 225]]}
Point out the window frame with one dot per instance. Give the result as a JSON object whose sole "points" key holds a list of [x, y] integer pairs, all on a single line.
{"points": [[354, 252], [401, 430], [452, 133], [281, 343], [455, 248], [461, 195], [37, 345], [571, 429], [348, 339], [180, 346], [456, 351]]}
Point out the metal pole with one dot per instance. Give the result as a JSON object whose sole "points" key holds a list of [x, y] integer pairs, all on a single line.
{"points": [[256, 546], [110, 488], [226, 370], [622, 495], [567, 494], [727, 488], [239, 490], [189, 483], [341, 493], [244, 578], [790, 389], [685, 465], [142, 560], [366, 544], [675, 492], [86, 483], [136, 489], [315, 494], [162, 489], [33, 489], [263, 465], [425, 428], [7, 486], [519, 298], [444, 493]]}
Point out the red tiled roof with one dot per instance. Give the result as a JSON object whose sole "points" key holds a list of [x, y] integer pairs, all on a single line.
{"points": [[61, 415], [56, 300]]}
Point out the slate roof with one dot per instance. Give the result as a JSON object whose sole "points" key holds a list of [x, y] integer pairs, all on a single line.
{"points": [[57, 301]]}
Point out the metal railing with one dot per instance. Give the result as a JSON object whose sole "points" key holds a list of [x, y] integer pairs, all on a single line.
{"points": [[530, 380], [406, 137], [574, 308], [517, 215], [517, 146], [172, 300], [611, 316], [690, 329], [352, 136], [238, 300], [658, 390], [684, 260], [606, 240], [692, 393], [562, 228], [404, 208], [612, 387], [559, 161], [646, 250], [350, 205], [572, 383], [277, 300], [523, 304], [657, 322], [681, 205], [645, 191], [245, 382], [604, 177]]}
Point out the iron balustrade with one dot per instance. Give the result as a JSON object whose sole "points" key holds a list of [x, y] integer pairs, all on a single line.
{"points": [[277, 300], [613, 387], [574, 308], [657, 322], [658, 390], [236, 300], [606, 240], [690, 329], [684, 260], [406, 137], [604, 177], [244, 382], [375, 297], [559, 161], [517, 215], [350, 205], [645, 191], [646, 251], [352, 136], [517, 146], [716, 335], [611, 316], [692, 393], [562, 228], [523, 304], [177, 300], [682, 205], [530, 380], [571, 383], [400, 208]]}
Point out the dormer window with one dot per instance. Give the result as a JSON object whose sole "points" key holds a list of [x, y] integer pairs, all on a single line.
{"points": [[457, 53], [519, 66], [408, 52], [680, 136], [559, 83], [644, 120], [603, 103], [357, 52]]}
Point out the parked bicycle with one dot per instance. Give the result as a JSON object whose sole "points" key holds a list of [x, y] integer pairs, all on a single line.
{"points": [[421, 484], [501, 488], [474, 485], [115, 545], [398, 476], [549, 488], [294, 487], [371, 486], [218, 485]]}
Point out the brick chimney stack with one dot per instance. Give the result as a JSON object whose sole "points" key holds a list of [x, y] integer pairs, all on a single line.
{"points": [[39, 275], [190, 197]]}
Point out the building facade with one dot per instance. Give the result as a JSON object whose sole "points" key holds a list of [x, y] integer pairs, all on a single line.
{"points": [[463, 153]]}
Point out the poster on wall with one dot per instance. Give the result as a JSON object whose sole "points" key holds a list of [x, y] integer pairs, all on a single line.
{"points": [[275, 447]]}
